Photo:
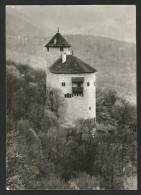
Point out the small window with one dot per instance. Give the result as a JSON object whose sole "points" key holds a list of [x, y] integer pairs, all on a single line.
{"points": [[65, 95], [94, 83], [61, 48], [89, 108], [68, 95], [63, 83], [88, 84]]}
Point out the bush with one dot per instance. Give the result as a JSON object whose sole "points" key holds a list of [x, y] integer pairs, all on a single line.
{"points": [[54, 183], [54, 101], [84, 182], [49, 120]]}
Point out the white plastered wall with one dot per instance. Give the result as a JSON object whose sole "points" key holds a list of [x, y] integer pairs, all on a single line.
{"points": [[77, 106]]}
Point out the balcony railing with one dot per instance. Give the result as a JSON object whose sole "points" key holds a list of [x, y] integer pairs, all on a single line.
{"points": [[77, 89]]}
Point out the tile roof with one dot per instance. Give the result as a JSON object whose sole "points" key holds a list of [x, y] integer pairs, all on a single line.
{"points": [[58, 41], [73, 65]]}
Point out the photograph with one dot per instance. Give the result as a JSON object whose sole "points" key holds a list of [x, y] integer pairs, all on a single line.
{"points": [[71, 97]]}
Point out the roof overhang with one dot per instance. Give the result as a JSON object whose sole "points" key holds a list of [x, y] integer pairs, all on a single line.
{"points": [[56, 46]]}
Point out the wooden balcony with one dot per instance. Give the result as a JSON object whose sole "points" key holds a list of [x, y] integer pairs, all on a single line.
{"points": [[77, 90]]}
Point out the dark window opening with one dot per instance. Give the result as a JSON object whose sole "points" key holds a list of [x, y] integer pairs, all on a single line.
{"points": [[89, 108], [61, 48], [68, 95], [79, 84], [88, 84], [77, 90], [77, 94], [63, 83]]}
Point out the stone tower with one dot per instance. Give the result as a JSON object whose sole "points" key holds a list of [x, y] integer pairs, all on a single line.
{"points": [[74, 78]]}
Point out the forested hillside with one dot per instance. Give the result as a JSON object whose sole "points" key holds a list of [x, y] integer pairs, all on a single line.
{"points": [[42, 153]]}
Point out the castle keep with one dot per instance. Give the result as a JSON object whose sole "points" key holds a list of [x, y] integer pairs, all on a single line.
{"points": [[74, 78]]}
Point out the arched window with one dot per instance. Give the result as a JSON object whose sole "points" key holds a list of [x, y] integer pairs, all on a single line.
{"points": [[88, 84]]}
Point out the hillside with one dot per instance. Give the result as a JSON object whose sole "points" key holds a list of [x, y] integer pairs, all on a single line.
{"points": [[114, 60], [44, 154]]}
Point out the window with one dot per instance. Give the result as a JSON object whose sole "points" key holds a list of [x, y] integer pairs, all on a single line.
{"points": [[94, 83], [61, 48], [88, 84], [68, 95], [63, 83], [89, 108], [79, 84]]}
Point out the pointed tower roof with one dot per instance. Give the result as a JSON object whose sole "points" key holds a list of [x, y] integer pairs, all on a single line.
{"points": [[58, 41]]}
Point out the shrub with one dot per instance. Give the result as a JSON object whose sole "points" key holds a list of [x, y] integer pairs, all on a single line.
{"points": [[84, 182], [49, 120], [54, 183], [15, 183], [54, 101]]}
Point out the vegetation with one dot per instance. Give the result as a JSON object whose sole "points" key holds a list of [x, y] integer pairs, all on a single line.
{"points": [[43, 154]]}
